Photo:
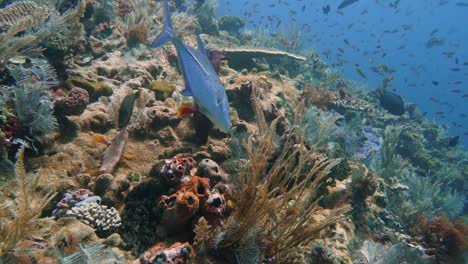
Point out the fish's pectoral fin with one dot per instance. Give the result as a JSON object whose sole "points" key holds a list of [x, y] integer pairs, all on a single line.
{"points": [[187, 91], [128, 155], [100, 139]]}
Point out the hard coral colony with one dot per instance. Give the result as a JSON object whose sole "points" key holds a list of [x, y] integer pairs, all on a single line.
{"points": [[301, 166]]}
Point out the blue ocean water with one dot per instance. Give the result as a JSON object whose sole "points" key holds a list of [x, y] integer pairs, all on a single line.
{"points": [[424, 41]]}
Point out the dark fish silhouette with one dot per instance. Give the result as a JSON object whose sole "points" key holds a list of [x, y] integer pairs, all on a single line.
{"points": [[126, 109], [326, 9], [453, 141], [392, 102], [346, 3]]}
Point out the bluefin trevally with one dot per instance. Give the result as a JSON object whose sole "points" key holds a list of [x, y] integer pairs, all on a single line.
{"points": [[201, 80]]}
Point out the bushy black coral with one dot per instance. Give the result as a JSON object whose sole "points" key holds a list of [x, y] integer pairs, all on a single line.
{"points": [[29, 99]]}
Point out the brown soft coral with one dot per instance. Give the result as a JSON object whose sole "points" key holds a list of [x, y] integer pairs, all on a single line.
{"points": [[318, 97], [443, 238]]}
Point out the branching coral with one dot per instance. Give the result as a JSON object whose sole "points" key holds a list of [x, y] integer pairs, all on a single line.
{"points": [[277, 201]]}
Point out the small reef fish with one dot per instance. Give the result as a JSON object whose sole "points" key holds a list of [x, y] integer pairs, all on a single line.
{"points": [[434, 42], [360, 72], [201, 80], [326, 9], [114, 151], [392, 102], [346, 3], [126, 109]]}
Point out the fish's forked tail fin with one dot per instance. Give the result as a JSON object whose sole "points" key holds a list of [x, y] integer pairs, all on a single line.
{"points": [[167, 34]]}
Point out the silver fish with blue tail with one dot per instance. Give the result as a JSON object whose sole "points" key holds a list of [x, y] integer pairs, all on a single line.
{"points": [[201, 80]]}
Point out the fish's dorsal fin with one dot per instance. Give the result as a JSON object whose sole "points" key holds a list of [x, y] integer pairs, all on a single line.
{"points": [[167, 34], [201, 47]]}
